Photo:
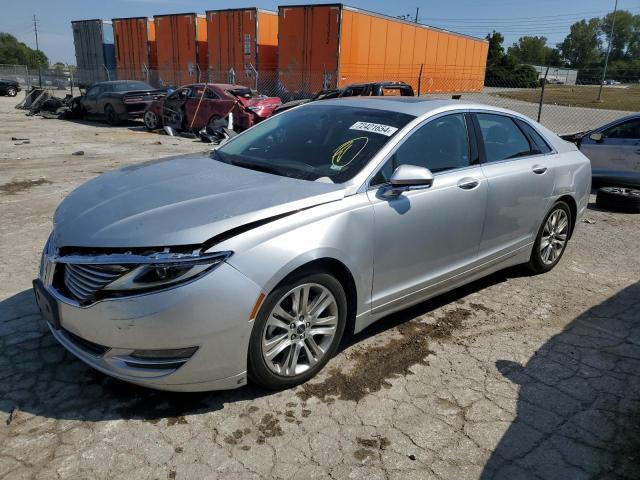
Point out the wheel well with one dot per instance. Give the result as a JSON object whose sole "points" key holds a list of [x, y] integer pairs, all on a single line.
{"points": [[107, 105], [573, 207], [343, 275]]}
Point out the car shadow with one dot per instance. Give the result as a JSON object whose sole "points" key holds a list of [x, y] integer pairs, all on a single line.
{"points": [[578, 410], [423, 308], [40, 377]]}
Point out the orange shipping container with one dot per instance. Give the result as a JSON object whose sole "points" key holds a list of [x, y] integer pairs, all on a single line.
{"points": [[135, 43], [245, 39], [324, 46], [181, 41]]}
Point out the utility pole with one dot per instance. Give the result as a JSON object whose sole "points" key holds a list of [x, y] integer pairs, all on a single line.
{"points": [[417, 10], [606, 58], [35, 29]]}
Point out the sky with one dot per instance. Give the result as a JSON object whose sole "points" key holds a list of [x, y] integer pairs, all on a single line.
{"points": [[513, 18]]}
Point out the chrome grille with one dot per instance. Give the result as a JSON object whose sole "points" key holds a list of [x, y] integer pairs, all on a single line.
{"points": [[84, 281]]}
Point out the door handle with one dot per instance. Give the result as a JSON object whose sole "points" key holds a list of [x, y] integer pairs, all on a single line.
{"points": [[538, 169], [468, 183]]}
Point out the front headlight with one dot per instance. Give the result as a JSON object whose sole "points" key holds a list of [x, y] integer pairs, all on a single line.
{"points": [[161, 271]]}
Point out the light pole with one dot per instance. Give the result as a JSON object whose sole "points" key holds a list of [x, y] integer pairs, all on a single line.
{"points": [[606, 57]]}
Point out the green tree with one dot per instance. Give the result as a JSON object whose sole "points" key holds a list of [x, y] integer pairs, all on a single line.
{"points": [[626, 34], [496, 51], [582, 47], [14, 52], [534, 50]]}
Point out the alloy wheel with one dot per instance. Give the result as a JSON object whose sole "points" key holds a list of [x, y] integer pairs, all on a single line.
{"points": [[150, 120], [300, 329], [12, 92], [554, 236]]}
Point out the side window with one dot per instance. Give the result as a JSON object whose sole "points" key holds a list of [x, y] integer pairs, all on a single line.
{"points": [[180, 94], [210, 94], [439, 145], [93, 92], [541, 143], [503, 139], [629, 129]]}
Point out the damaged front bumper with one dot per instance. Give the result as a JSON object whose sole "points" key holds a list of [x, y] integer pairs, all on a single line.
{"points": [[206, 322]]}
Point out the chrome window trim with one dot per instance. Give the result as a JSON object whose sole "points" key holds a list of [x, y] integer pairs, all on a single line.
{"points": [[528, 122]]}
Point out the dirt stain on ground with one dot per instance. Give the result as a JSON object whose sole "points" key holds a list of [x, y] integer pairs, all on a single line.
{"points": [[478, 307], [269, 427], [12, 188], [390, 360]]}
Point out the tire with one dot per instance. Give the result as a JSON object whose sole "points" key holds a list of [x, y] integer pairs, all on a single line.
{"points": [[151, 120], [12, 92], [289, 334], [618, 199], [111, 116], [212, 124], [552, 239]]}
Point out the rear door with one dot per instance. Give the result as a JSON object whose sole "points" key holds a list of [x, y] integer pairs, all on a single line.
{"points": [[617, 155], [520, 174]]}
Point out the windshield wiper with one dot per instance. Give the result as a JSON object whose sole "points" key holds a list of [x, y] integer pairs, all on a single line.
{"points": [[257, 166]]}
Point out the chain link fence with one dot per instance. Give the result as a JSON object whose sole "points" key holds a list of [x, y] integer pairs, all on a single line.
{"points": [[562, 107]]}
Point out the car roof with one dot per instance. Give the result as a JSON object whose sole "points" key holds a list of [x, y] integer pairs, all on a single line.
{"points": [[416, 106], [115, 82], [224, 86], [383, 84]]}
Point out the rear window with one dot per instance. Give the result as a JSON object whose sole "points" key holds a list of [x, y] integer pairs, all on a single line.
{"points": [[125, 87], [541, 143], [245, 93]]}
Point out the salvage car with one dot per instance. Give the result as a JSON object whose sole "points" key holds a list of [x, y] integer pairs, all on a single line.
{"points": [[193, 107], [116, 100], [198, 272], [373, 89], [614, 150], [10, 88]]}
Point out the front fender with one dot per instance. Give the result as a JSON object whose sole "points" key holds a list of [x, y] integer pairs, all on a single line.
{"points": [[341, 230]]}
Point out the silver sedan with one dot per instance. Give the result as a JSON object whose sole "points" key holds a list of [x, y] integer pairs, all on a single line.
{"points": [[614, 151], [198, 272]]}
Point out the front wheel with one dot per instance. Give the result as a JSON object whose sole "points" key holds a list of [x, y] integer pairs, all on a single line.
{"points": [[552, 239], [12, 92], [297, 331], [151, 120]]}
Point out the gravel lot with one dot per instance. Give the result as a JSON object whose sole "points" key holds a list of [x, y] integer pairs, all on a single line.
{"points": [[511, 377]]}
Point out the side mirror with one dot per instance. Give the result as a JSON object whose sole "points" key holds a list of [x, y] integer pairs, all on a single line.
{"points": [[411, 176], [596, 137]]}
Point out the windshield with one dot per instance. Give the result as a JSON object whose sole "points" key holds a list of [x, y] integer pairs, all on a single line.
{"points": [[127, 86], [329, 142]]}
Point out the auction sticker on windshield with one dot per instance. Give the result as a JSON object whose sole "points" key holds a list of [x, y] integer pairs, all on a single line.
{"points": [[374, 127]]}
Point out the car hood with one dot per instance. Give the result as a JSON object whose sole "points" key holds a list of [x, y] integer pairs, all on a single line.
{"points": [[178, 201]]}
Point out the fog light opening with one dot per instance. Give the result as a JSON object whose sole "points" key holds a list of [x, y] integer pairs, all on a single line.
{"points": [[169, 354]]}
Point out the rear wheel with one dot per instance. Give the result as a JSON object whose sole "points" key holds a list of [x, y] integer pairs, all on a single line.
{"points": [[297, 331], [619, 199], [12, 91], [151, 120], [110, 115], [552, 239]]}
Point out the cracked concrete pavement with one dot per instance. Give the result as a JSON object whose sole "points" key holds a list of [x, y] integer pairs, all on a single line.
{"points": [[513, 376]]}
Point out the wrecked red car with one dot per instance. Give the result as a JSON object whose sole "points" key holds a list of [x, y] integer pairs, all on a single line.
{"points": [[193, 107]]}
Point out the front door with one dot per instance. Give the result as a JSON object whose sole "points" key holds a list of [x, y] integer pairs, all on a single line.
{"points": [[422, 237], [617, 155]]}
